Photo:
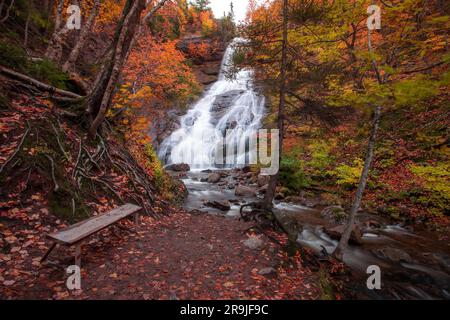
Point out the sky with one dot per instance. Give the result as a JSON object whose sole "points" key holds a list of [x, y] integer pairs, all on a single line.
{"points": [[240, 8]]}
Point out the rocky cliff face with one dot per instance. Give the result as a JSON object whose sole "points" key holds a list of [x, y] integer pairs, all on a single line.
{"points": [[206, 69], [207, 72]]}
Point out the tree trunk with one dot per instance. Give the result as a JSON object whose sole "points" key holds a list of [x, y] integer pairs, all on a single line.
{"points": [[54, 49], [343, 243], [270, 194], [27, 26], [8, 9], [102, 95], [71, 61]]}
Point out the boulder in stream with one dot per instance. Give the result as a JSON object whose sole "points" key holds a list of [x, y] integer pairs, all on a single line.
{"points": [[217, 204], [336, 233], [334, 213], [214, 177], [243, 191], [179, 167], [393, 254], [263, 180]]}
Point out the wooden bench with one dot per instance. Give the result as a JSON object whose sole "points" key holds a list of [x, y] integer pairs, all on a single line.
{"points": [[75, 234]]}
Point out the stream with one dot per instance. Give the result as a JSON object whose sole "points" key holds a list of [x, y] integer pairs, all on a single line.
{"points": [[414, 262]]}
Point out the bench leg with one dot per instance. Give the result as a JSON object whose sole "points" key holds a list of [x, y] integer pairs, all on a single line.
{"points": [[78, 255], [48, 252], [136, 219]]}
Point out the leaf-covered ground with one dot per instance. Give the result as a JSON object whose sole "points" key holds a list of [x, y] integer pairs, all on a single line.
{"points": [[179, 257]]}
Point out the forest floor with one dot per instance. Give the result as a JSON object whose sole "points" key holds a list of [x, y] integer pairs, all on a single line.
{"points": [[182, 256]]}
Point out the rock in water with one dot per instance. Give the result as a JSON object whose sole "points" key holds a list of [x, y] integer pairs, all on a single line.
{"points": [[221, 205], [179, 167], [263, 180], [243, 191], [334, 213], [336, 233], [393, 254], [214, 178]]}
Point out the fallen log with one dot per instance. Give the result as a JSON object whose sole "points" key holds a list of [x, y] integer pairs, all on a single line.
{"points": [[38, 84]]}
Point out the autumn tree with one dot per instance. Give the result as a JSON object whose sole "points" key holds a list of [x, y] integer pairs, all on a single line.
{"points": [[270, 193], [99, 100]]}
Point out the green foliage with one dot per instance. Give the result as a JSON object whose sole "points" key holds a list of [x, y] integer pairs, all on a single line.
{"points": [[156, 165], [320, 156], [346, 175], [48, 71], [436, 181], [201, 5], [12, 56], [408, 92], [291, 173]]}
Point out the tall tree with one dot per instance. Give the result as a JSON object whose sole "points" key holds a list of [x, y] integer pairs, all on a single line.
{"points": [[100, 98], [343, 243], [270, 194]]}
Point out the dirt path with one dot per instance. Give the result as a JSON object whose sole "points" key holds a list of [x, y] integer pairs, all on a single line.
{"points": [[181, 257]]}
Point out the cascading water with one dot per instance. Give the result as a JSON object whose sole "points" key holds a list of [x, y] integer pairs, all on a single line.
{"points": [[231, 107]]}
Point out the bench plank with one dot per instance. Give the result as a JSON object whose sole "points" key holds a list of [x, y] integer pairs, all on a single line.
{"points": [[84, 229]]}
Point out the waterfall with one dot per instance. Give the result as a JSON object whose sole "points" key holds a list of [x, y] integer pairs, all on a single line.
{"points": [[229, 107]]}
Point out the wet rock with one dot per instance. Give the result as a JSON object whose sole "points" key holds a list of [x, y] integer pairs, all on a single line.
{"points": [[214, 178], [204, 180], [266, 271], [311, 202], [279, 196], [372, 224], [263, 189], [393, 254], [247, 169], [243, 191], [336, 233], [196, 212], [263, 180], [225, 100], [294, 199], [231, 186], [211, 69], [334, 213], [254, 243], [206, 171], [217, 204], [179, 167]]}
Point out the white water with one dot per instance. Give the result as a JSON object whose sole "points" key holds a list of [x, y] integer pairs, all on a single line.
{"points": [[196, 142]]}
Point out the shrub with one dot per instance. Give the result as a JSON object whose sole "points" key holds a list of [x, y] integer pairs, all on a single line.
{"points": [[155, 164], [12, 56], [436, 182], [291, 173], [47, 71], [348, 176], [320, 156]]}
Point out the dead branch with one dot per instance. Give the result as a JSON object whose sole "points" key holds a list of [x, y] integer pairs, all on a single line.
{"points": [[74, 174], [38, 84], [16, 151], [59, 142], [52, 162]]}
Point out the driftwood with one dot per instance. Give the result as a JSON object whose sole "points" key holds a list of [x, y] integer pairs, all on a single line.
{"points": [[38, 84]]}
